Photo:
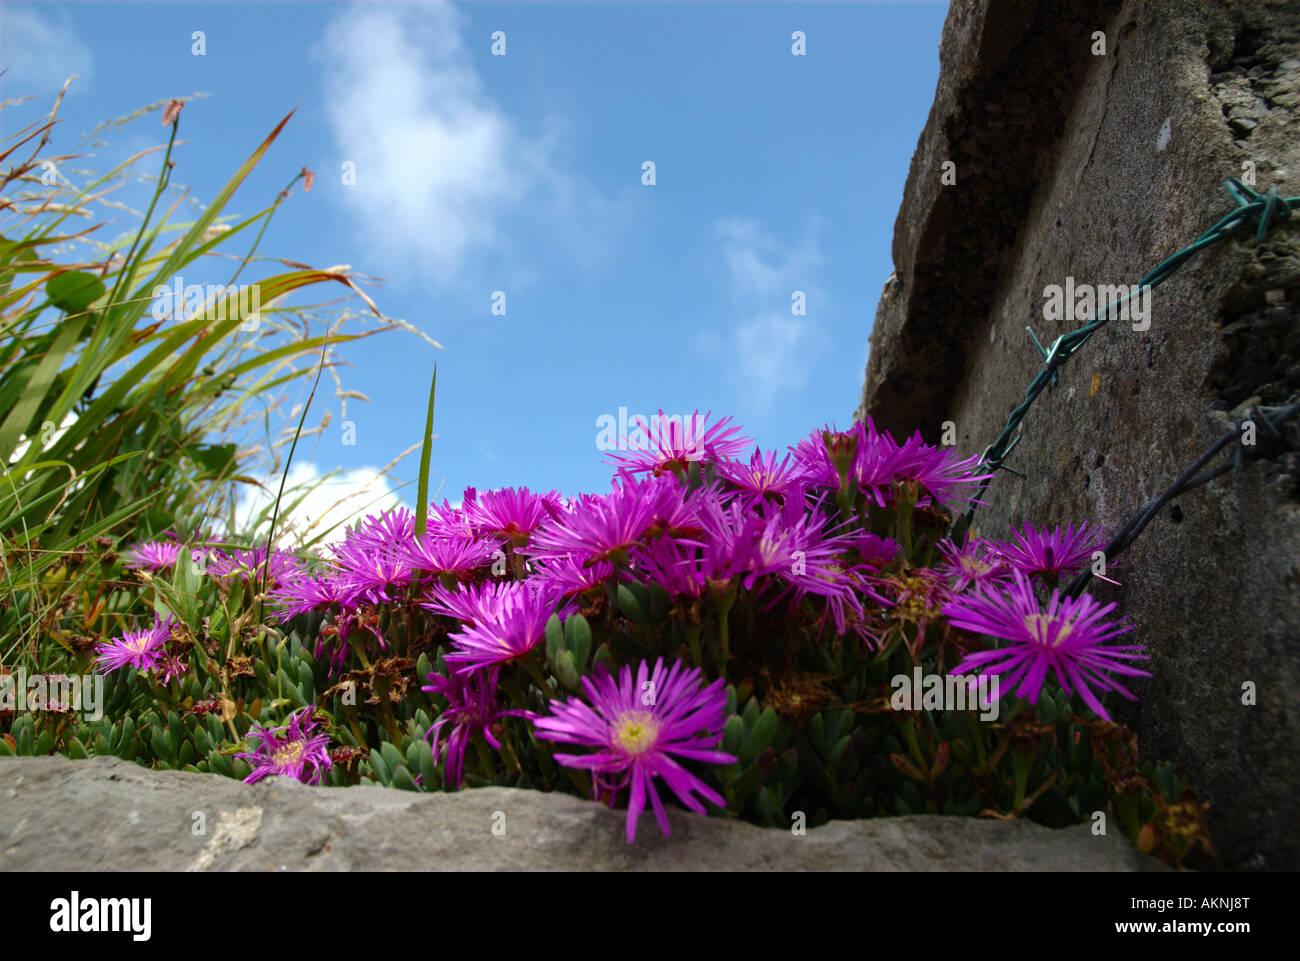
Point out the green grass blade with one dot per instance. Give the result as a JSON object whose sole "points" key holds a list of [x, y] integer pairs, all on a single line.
{"points": [[422, 508]]}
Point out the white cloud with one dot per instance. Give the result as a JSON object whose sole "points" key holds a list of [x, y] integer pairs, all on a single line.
{"points": [[439, 166], [40, 52], [341, 499], [49, 436], [769, 348]]}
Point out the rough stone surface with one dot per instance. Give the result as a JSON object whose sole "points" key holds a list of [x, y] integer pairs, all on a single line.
{"points": [[106, 814], [1097, 168]]}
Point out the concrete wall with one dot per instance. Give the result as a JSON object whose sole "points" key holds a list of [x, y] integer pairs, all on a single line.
{"points": [[1099, 167]]}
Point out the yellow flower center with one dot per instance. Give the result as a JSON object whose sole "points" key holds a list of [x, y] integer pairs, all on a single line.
{"points": [[287, 753], [769, 550], [1041, 626], [636, 732], [973, 565], [138, 645]]}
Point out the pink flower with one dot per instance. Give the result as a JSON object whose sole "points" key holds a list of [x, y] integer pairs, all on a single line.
{"points": [[974, 564], [512, 512], [471, 706], [763, 476], [372, 572], [668, 444], [153, 555], [306, 593], [289, 750], [506, 629], [142, 650], [601, 528], [1069, 638], [567, 578], [448, 555], [938, 472], [1051, 553], [471, 603], [640, 730], [248, 565]]}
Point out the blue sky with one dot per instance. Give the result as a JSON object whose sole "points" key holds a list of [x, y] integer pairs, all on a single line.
{"points": [[523, 173]]}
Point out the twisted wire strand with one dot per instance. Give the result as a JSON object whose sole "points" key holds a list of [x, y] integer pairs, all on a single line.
{"points": [[1261, 210]]}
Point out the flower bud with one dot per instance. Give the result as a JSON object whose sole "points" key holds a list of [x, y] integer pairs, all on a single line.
{"points": [[842, 448]]}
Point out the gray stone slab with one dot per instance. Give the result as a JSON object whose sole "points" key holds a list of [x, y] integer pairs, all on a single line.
{"points": [[105, 814]]}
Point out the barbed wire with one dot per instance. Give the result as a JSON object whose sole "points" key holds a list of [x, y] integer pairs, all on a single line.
{"points": [[1270, 417], [1253, 208]]}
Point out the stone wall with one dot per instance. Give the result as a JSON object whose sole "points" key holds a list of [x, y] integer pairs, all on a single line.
{"points": [[178, 821], [1097, 167]]}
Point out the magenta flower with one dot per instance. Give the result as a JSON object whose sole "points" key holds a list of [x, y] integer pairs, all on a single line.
{"points": [[307, 593], [813, 458], [875, 462], [1051, 553], [472, 603], [454, 522], [448, 555], [389, 531], [601, 528], [321, 592], [764, 476], [512, 512], [565, 577], [800, 552], [248, 565], [683, 570], [974, 564], [674, 511], [734, 540], [938, 472], [876, 551], [506, 630], [639, 730], [152, 555], [665, 443], [1069, 637], [472, 706], [372, 571], [866, 456], [289, 750], [142, 650], [789, 544]]}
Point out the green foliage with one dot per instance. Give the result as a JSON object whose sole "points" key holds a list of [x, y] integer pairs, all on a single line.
{"points": [[809, 716], [114, 424]]}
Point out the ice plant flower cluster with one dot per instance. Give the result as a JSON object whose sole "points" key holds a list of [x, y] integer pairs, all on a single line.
{"points": [[251, 565], [723, 621]]}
